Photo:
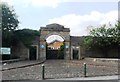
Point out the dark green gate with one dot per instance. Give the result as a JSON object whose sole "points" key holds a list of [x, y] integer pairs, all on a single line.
{"points": [[75, 54], [52, 54], [32, 53]]}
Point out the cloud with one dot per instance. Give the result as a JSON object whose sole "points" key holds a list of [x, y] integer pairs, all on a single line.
{"points": [[48, 3], [92, 0], [44, 3], [80, 24], [35, 3], [10, 2]]}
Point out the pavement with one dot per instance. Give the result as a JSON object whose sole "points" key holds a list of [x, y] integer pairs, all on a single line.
{"points": [[62, 81], [20, 64], [113, 77], [57, 69]]}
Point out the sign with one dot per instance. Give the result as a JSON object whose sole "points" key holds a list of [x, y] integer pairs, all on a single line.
{"points": [[66, 46], [42, 46], [5, 51]]}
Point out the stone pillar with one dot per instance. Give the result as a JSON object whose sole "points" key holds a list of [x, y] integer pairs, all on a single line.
{"points": [[42, 50], [67, 50], [71, 52], [79, 57]]}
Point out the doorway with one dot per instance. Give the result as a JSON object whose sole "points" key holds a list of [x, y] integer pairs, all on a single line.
{"points": [[32, 53], [55, 53], [54, 47], [75, 54]]}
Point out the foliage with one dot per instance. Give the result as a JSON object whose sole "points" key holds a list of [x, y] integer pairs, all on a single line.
{"points": [[11, 36], [9, 18], [103, 37], [10, 33], [88, 40], [98, 37], [117, 34], [9, 24], [61, 52], [26, 36]]}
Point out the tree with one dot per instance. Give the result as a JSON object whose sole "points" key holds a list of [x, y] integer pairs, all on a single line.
{"points": [[103, 37], [9, 24], [117, 33], [26, 36], [61, 52]]}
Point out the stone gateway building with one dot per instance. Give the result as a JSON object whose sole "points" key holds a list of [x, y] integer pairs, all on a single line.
{"points": [[73, 46], [56, 29]]}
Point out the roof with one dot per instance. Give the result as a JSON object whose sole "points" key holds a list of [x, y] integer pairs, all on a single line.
{"points": [[54, 41]]}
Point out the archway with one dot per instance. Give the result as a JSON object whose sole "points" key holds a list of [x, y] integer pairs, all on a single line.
{"points": [[54, 29], [54, 47]]}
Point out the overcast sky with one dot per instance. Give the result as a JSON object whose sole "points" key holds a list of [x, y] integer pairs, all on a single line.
{"points": [[78, 15]]}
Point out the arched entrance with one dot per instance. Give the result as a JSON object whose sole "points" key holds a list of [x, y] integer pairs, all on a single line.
{"points": [[54, 47], [54, 29]]}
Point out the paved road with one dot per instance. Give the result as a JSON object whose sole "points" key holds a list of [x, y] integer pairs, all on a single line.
{"points": [[56, 69], [114, 77], [65, 81], [21, 64]]}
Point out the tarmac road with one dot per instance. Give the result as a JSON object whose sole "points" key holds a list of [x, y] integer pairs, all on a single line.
{"points": [[65, 81]]}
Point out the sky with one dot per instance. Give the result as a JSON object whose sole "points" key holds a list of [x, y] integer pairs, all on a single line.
{"points": [[78, 15], [53, 38]]}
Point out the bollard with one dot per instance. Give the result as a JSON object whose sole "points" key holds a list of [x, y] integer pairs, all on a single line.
{"points": [[85, 69], [43, 71]]}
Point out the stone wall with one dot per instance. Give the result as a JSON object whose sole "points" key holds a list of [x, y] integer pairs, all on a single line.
{"points": [[20, 51], [97, 52], [94, 52]]}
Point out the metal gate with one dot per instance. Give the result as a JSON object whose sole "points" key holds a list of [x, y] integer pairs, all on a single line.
{"points": [[32, 53], [52, 54]]}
